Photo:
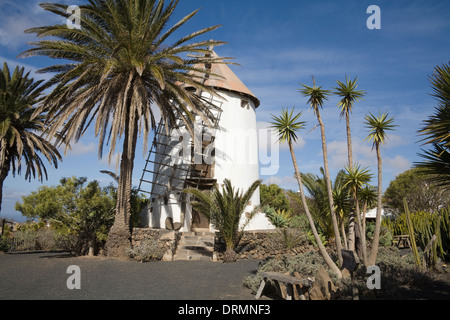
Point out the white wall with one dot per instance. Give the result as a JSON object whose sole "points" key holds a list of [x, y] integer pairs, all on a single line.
{"points": [[236, 159]]}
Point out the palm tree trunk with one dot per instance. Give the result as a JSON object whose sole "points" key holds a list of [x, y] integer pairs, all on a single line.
{"points": [[364, 221], [363, 238], [329, 191], [344, 237], [119, 237], [3, 174], [374, 252], [349, 140], [334, 268], [351, 225]]}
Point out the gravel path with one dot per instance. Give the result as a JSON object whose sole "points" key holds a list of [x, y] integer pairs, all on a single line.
{"points": [[43, 275]]}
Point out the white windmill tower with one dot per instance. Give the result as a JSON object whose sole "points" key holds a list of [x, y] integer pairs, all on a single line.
{"points": [[228, 151]]}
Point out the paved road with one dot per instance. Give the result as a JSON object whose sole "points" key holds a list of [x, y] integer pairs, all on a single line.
{"points": [[44, 275]]}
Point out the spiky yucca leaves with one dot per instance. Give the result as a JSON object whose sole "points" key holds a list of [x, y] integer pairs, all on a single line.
{"points": [[122, 71], [20, 127], [317, 96], [378, 127], [224, 208]]}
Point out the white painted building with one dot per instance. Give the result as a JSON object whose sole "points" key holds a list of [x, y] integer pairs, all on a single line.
{"points": [[230, 151]]}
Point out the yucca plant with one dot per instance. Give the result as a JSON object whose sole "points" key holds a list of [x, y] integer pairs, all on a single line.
{"points": [[317, 96], [286, 127], [378, 128], [224, 209], [355, 179], [349, 96]]}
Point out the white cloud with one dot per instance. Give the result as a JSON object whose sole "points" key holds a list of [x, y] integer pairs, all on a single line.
{"points": [[81, 148], [397, 164], [17, 16], [287, 182]]}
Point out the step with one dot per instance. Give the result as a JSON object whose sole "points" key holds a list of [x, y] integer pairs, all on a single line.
{"points": [[195, 245], [191, 257], [209, 241]]}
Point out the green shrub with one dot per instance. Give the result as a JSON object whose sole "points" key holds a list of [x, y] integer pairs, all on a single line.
{"points": [[146, 250]]}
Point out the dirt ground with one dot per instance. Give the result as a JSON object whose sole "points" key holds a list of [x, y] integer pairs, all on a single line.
{"points": [[44, 276]]}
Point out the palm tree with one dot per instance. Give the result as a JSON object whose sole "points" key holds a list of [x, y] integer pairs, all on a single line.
{"points": [[20, 128], [121, 70], [224, 209], [285, 127], [317, 96], [356, 178], [435, 130], [378, 127], [347, 91]]}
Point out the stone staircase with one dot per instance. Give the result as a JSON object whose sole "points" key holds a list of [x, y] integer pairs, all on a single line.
{"points": [[195, 245]]}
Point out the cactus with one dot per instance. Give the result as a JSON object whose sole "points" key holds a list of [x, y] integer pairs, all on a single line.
{"points": [[412, 236]]}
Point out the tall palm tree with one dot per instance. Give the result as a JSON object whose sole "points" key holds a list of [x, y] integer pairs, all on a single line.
{"points": [[435, 131], [356, 178], [349, 95], [20, 129], [378, 127], [317, 96], [285, 127], [121, 70], [224, 209]]}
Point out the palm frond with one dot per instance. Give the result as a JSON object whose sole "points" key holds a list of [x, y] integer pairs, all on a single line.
{"points": [[347, 91]]}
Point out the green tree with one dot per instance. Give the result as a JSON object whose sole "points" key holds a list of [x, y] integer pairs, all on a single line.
{"points": [[317, 96], [87, 210], [378, 127], [224, 208], [21, 126], [118, 70], [274, 196], [421, 191], [435, 131], [286, 127]]}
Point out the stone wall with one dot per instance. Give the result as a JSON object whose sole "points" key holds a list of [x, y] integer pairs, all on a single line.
{"points": [[265, 244], [167, 239], [253, 245]]}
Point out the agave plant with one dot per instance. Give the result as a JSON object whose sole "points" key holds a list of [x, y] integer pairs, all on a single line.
{"points": [[280, 218]]}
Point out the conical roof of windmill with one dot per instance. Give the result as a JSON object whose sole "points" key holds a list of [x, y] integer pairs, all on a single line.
{"points": [[223, 78]]}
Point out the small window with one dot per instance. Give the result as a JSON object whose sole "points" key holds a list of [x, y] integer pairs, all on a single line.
{"points": [[245, 104]]}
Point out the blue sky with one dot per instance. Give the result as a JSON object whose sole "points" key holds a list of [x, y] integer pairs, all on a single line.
{"points": [[278, 45]]}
